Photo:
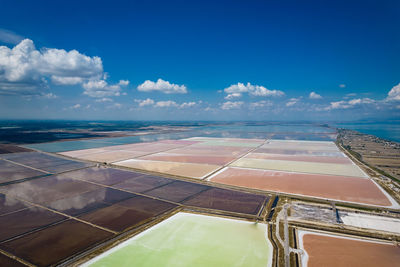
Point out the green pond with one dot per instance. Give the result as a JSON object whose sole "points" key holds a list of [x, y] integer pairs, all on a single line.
{"points": [[193, 240]]}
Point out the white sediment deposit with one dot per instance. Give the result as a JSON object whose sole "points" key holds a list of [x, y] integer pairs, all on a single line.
{"points": [[375, 222]]}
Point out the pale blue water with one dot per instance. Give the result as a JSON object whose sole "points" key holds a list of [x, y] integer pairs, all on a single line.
{"points": [[234, 130], [298, 131], [385, 130]]}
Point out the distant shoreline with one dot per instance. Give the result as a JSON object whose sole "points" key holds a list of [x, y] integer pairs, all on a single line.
{"points": [[367, 134], [380, 154], [389, 131]]}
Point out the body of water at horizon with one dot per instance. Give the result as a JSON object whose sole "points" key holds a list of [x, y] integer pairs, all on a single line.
{"points": [[234, 130], [389, 131]]}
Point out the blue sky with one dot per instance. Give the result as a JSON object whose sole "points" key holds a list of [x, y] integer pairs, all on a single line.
{"points": [[200, 60]]}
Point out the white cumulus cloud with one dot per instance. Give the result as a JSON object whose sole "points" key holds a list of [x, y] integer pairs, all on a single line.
{"points": [[123, 82], [146, 102], [232, 96], [66, 80], [166, 104], [162, 86], [314, 95], [103, 100], [232, 105], [394, 93], [260, 104], [26, 70], [292, 102], [187, 105], [343, 104], [49, 96], [254, 90], [361, 101], [101, 88], [339, 105]]}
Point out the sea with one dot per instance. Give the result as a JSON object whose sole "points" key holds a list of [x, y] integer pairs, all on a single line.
{"points": [[386, 130], [31, 132]]}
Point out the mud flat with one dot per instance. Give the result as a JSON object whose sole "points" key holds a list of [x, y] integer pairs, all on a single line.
{"points": [[193, 240], [324, 249]]}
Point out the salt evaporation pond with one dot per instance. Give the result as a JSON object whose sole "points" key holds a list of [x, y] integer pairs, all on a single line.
{"points": [[193, 240]]}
